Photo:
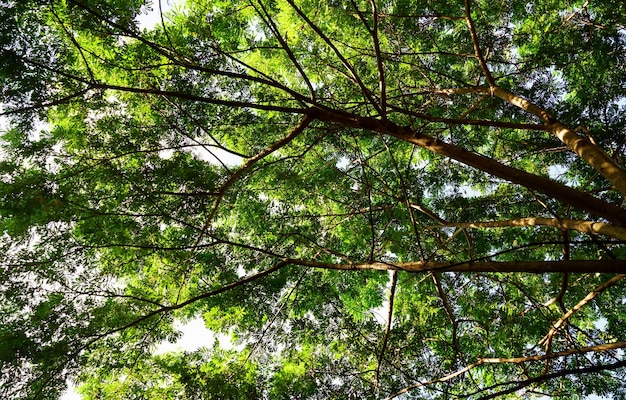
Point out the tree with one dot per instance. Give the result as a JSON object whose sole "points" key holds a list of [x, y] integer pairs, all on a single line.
{"points": [[289, 169]]}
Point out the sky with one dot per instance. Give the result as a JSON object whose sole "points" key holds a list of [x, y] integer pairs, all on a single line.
{"points": [[150, 19]]}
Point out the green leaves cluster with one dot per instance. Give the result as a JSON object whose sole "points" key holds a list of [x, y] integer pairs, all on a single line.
{"points": [[265, 165]]}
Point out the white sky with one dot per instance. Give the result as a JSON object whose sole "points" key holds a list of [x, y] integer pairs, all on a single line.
{"points": [[195, 336], [150, 19]]}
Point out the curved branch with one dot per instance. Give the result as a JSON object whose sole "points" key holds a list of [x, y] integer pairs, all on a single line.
{"points": [[304, 123], [516, 360], [187, 302], [591, 153], [547, 339]]}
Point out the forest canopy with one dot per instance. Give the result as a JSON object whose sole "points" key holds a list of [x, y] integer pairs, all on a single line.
{"points": [[370, 199]]}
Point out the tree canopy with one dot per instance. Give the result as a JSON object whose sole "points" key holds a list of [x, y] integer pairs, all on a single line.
{"points": [[371, 199]]}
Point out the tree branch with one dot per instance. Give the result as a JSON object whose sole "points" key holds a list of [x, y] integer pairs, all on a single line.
{"points": [[516, 360], [477, 51], [591, 153], [366, 92], [590, 227], [206, 295], [392, 293], [265, 16], [538, 267], [547, 339], [304, 123], [558, 374], [537, 183]]}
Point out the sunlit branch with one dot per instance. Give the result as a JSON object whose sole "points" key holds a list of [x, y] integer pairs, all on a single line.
{"points": [[516, 360], [547, 339], [539, 267], [589, 152], [590, 227], [592, 154]]}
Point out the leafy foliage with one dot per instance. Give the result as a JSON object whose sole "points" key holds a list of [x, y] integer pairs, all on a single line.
{"points": [[370, 199]]}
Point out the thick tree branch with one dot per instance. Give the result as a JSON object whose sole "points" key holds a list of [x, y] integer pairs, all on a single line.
{"points": [[539, 267], [590, 227], [584, 148], [536, 183], [591, 153]]}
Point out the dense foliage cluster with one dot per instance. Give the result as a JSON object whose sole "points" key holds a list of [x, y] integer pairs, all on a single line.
{"points": [[371, 198]]}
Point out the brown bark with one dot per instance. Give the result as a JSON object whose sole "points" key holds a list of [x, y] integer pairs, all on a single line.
{"points": [[586, 150], [535, 183], [580, 145], [517, 360], [547, 339], [590, 227], [539, 267]]}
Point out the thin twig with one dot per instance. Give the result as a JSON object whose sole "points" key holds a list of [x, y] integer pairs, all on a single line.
{"points": [[392, 293]]}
